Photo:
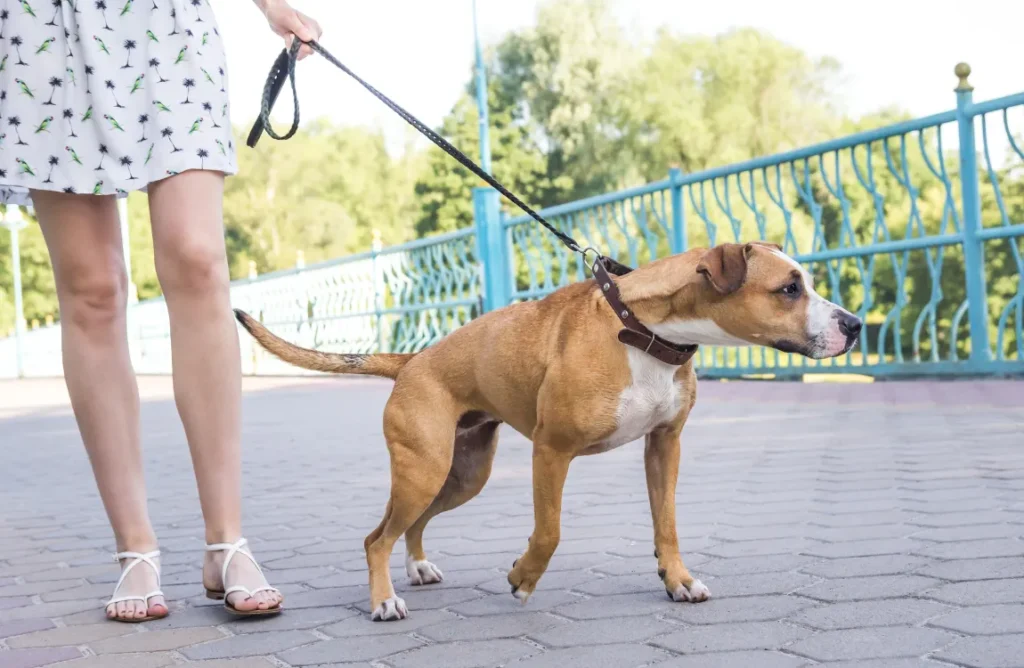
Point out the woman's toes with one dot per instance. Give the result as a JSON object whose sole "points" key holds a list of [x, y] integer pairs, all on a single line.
{"points": [[140, 609], [242, 602], [157, 607], [122, 609], [111, 611]]}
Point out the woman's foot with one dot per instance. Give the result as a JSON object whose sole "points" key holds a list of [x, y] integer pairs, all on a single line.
{"points": [[140, 578], [242, 571]]}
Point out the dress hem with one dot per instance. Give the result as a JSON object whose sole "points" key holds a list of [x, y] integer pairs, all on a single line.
{"points": [[20, 194]]}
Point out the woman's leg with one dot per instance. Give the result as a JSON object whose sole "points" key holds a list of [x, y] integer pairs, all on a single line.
{"points": [[84, 241], [191, 263]]}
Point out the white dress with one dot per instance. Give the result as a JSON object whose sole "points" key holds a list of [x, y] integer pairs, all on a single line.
{"points": [[104, 97]]}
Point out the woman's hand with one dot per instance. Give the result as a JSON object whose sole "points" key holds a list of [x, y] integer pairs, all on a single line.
{"points": [[290, 23]]}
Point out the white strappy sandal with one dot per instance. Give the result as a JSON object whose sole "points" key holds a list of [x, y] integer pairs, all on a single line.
{"points": [[139, 558], [232, 550]]}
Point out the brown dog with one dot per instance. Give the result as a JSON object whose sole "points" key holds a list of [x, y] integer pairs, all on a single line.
{"points": [[554, 370]]}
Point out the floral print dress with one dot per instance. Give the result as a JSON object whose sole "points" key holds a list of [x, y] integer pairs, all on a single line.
{"points": [[103, 97]]}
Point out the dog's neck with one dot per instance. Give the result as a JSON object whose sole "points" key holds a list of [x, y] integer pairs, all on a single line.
{"points": [[666, 305]]}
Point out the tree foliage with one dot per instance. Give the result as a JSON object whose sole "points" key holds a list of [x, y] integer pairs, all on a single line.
{"points": [[576, 108]]}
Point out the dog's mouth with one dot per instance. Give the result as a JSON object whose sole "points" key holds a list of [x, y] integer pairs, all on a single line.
{"points": [[817, 348]]}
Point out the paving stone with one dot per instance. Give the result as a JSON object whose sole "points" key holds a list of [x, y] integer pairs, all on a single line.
{"points": [[887, 663], [856, 614], [71, 635], [147, 660], [15, 602], [45, 610], [602, 656], [760, 659], [871, 643], [976, 569], [350, 649], [598, 632], [156, 641], [984, 620], [740, 636], [856, 567], [745, 565], [875, 586], [913, 494], [974, 549], [17, 628], [734, 610], [247, 662], [986, 652], [307, 618], [496, 604], [251, 644], [757, 584], [361, 625], [977, 532], [41, 656], [34, 588], [981, 592], [865, 548], [321, 598]]}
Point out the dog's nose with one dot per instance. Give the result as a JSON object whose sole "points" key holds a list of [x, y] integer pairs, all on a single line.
{"points": [[849, 324]]}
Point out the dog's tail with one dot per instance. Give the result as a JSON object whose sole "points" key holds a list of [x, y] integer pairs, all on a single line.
{"points": [[385, 365]]}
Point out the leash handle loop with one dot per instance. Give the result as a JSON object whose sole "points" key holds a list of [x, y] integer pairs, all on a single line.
{"points": [[285, 66]]}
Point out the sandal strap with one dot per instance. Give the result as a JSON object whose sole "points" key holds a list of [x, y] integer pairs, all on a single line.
{"points": [[233, 549], [137, 558], [249, 592], [144, 599]]}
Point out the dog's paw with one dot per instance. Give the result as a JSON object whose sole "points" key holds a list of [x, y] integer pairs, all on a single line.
{"points": [[391, 610], [522, 586], [695, 593], [422, 572]]}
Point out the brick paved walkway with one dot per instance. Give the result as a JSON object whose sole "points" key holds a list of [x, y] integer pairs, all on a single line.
{"points": [[848, 525]]}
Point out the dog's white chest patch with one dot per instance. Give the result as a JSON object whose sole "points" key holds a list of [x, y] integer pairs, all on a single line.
{"points": [[652, 398]]}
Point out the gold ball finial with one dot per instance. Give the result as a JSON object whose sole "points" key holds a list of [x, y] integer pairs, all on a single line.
{"points": [[962, 71]]}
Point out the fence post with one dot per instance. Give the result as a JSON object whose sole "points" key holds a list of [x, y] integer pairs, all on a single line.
{"points": [[378, 289], [974, 253], [15, 222], [677, 241], [490, 248]]}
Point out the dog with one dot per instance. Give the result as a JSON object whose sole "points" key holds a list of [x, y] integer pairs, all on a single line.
{"points": [[554, 370]]}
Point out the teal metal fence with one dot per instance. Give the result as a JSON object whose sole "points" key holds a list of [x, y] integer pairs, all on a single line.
{"points": [[917, 227]]}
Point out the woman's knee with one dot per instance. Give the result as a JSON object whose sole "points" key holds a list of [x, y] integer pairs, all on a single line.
{"points": [[94, 297], [192, 267]]}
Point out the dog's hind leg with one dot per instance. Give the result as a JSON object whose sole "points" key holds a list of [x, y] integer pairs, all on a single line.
{"points": [[420, 441], [471, 467]]}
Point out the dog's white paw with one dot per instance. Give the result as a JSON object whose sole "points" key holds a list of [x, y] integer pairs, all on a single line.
{"points": [[422, 572], [521, 595], [695, 594], [391, 610]]}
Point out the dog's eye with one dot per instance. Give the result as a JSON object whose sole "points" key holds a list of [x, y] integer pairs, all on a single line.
{"points": [[792, 289]]}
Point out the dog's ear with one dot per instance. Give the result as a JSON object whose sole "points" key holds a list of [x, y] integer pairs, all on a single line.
{"points": [[766, 244], [725, 266]]}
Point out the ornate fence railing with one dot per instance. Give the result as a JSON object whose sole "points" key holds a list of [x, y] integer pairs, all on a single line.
{"points": [[917, 227]]}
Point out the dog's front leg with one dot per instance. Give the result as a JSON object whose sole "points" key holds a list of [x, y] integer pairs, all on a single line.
{"points": [[661, 461], [550, 468]]}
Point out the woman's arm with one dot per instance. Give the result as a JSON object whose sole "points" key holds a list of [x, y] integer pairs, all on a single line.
{"points": [[288, 23]]}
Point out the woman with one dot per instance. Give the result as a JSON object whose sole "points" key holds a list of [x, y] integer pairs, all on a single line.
{"points": [[96, 101]]}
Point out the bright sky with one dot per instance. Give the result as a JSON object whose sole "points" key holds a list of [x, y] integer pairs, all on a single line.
{"points": [[420, 53]]}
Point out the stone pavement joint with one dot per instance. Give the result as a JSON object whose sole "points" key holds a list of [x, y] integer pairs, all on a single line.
{"points": [[850, 526]]}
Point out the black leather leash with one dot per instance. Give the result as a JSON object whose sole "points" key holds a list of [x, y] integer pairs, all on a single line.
{"points": [[635, 333]]}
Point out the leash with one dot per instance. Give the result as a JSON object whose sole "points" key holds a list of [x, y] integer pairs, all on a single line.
{"points": [[635, 333]]}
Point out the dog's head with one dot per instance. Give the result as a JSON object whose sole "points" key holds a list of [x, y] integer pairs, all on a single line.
{"points": [[755, 294]]}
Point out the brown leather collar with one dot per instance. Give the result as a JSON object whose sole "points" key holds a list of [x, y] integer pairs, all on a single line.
{"points": [[635, 334]]}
